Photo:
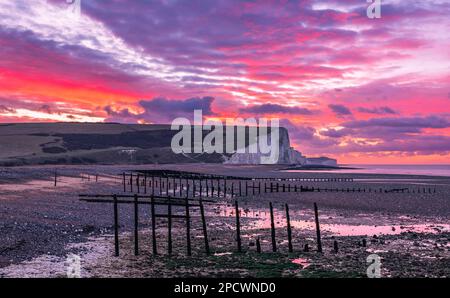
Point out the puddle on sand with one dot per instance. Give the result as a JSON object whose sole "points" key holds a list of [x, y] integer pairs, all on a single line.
{"points": [[49, 186], [353, 230], [361, 230], [302, 262]]}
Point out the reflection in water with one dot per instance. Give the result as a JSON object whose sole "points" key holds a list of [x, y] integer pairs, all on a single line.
{"points": [[302, 262], [260, 219]]}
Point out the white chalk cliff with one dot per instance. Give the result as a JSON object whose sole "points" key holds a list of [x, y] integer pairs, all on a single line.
{"points": [[287, 155]]}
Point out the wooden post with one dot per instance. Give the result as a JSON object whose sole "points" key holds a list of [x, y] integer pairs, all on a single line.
{"points": [[225, 187], [246, 188], [238, 228], [145, 183], [240, 188], [131, 182], [153, 185], [116, 227], [205, 232], [289, 229], [137, 184], [56, 176], [124, 182], [272, 228], [218, 188], [155, 251], [136, 225], [319, 240], [336, 247], [253, 187], [167, 186], [258, 245], [188, 228], [169, 228]]}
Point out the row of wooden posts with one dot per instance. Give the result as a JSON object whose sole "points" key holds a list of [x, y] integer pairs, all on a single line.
{"points": [[84, 177], [220, 187], [171, 202], [154, 201]]}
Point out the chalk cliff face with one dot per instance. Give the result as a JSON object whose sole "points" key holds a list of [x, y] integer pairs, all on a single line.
{"points": [[287, 155]]}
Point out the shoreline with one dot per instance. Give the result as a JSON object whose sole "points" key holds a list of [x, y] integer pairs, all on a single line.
{"points": [[41, 219]]}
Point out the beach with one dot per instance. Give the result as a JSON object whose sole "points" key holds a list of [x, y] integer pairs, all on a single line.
{"points": [[42, 224]]}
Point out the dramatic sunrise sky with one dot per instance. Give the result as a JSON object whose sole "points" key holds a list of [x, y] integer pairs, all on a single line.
{"points": [[358, 89]]}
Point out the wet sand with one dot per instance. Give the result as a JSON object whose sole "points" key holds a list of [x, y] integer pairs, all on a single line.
{"points": [[41, 224]]}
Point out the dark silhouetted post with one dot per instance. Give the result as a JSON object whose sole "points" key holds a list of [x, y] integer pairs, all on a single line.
{"points": [[258, 245], [205, 232], [238, 228], [145, 183], [225, 187], [131, 182], [240, 188], [124, 182], [218, 188], [246, 188], [169, 228], [336, 247], [289, 230], [253, 187], [116, 226], [194, 188], [56, 177], [167, 186], [137, 183], [153, 185], [155, 250], [136, 226], [272, 228], [188, 228], [319, 240]]}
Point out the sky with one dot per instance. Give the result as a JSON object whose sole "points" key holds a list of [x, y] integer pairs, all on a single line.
{"points": [[346, 86]]}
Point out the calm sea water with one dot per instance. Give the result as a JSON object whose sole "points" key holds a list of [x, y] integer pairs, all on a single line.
{"points": [[429, 170]]}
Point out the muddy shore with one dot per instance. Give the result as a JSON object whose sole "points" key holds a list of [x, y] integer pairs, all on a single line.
{"points": [[40, 224]]}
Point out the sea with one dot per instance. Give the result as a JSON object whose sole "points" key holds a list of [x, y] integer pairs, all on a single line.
{"points": [[427, 170]]}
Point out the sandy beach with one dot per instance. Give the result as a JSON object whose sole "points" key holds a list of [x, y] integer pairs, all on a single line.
{"points": [[42, 224]]}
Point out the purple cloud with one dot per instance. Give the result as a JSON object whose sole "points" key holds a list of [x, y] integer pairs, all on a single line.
{"points": [[163, 110], [378, 111], [270, 108], [340, 110], [406, 122]]}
